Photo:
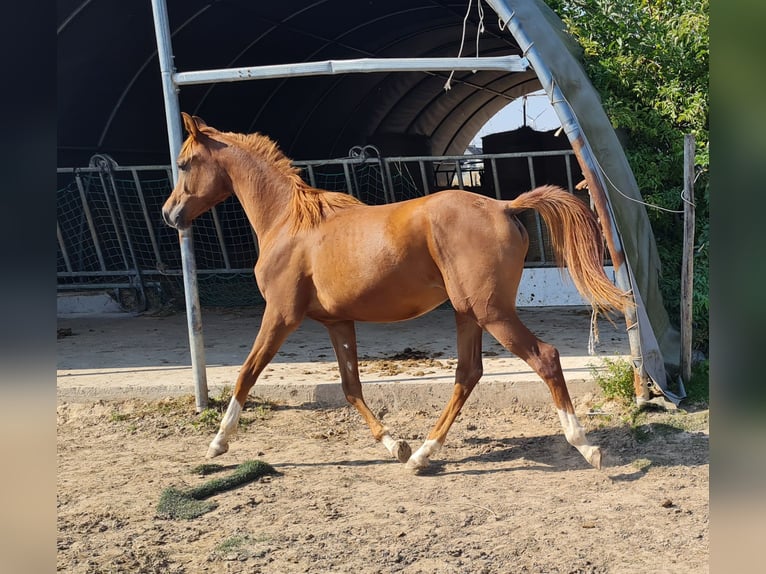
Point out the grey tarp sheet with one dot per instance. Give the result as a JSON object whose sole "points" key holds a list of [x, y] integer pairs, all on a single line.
{"points": [[560, 55]]}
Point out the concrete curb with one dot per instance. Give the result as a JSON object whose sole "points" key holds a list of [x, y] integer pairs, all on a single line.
{"points": [[405, 395]]}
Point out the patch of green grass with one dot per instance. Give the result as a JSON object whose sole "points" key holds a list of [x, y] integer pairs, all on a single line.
{"points": [[177, 504], [646, 425], [698, 389], [642, 463], [207, 468], [179, 413], [615, 378], [190, 503], [233, 543], [246, 472], [118, 417], [208, 419], [241, 545]]}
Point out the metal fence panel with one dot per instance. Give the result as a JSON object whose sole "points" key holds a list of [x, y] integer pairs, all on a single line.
{"points": [[111, 234]]}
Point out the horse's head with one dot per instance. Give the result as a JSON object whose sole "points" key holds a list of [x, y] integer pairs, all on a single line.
{"points": [[202, 182]]}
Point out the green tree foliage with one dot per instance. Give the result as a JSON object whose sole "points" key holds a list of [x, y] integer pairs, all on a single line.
{"points": [[648, 59]]}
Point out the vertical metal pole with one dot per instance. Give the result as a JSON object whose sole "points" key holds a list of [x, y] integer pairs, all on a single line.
{"points": [[188, 265], [538, 221], [568, 163], [219, 235], [145, 212], [424, 177], [349, 186], [495, 178], [91, 225], [113, 217], [385, 175], [312, 177], [62, 246], [687, 266], [459, 174], [105, 168]]}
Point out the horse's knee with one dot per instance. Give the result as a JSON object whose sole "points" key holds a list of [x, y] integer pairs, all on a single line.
{"points": [[469, 375]]}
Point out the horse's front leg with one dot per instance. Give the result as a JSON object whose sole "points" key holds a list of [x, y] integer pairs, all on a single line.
{"points": [[343, 337], [273, 332]]}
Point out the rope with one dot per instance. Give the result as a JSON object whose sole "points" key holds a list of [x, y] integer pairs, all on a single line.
{"points": [[480, 11], [593, 334], [603, 171]]}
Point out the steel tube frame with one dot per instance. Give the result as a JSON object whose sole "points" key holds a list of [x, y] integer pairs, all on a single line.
{"points": [[172, 80], [597, 185], [115, 225], [89, 220], [62, 247], [361, 65], [175, 139]]}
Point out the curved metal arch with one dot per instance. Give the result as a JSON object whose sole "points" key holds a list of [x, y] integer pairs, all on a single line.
{"points": [[414, 87], [340, 79], [328, 43], [135, 77], [461, 81], [459, 133], [72, 16]]}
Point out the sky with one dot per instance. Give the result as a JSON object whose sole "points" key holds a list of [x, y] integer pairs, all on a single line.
{"points": [[540, 116]]}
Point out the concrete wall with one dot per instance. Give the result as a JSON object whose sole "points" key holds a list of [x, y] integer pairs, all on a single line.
{"points": [[547, 287]]}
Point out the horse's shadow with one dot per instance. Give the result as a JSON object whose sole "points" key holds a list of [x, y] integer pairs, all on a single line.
{"points": [[625, 459], [547, 453]]}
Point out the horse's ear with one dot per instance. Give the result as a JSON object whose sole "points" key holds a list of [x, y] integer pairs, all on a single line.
{"points": [[191, 125], [199, 121]]}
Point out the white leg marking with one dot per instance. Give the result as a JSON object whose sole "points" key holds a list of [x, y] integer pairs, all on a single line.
{"points": [[399, 449], [388, 442], [419, 459], [220, 444], [575, 435]]}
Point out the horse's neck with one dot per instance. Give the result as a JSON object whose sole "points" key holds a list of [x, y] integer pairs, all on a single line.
{"points": [[264, 194]]}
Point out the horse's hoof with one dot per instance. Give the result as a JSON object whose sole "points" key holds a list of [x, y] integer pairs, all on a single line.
{"points": [[417, 465], [215, 450], [595, 457], [402, 451]]}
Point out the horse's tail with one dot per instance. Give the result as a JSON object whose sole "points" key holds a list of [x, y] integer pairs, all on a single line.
{"points": [[577, 243]]}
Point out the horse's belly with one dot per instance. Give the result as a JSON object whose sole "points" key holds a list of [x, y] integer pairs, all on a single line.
{"points": [[377, 309], [386, 297]]}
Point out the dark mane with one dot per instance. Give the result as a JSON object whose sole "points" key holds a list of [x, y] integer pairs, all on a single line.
{"points": [[308, 206]]}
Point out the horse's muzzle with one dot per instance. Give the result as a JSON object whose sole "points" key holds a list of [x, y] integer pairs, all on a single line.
{"points": [[174, 217]]}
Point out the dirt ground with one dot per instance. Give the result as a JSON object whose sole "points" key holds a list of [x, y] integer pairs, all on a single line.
{"points": [[506, 494]]}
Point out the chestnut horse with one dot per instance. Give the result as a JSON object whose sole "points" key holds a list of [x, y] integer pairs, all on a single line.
{"points": [[327, 256]]}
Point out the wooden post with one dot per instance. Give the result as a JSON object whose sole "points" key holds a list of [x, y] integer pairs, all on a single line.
{"points": [[687, 265]]}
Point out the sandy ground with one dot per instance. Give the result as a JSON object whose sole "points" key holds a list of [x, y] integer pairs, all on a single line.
{"points": [[505, 494]]}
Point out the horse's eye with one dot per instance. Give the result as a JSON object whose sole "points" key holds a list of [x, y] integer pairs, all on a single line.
{"points": [[183, 166]]}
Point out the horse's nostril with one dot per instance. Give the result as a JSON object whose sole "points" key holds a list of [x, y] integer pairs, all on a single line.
{"points": [[171, 217]]}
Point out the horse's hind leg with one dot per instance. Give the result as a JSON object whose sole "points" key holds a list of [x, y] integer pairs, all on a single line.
{"points": [[467, 374], [343, 337], [273, 332], [544, 359]]}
